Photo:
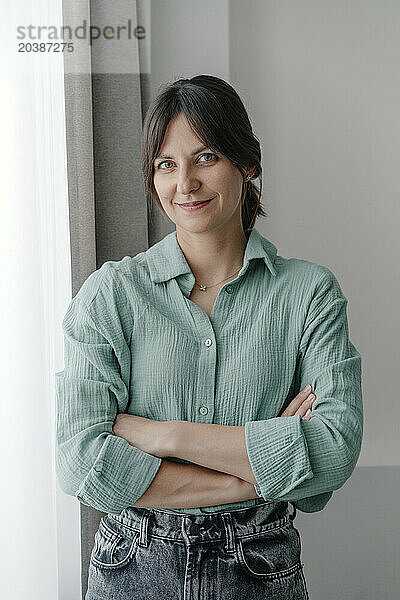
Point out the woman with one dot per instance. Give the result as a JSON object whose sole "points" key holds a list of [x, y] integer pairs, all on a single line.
{"points": [[185, 409]]}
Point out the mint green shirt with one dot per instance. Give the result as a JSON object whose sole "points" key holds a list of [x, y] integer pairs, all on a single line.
{"points": [[135, 343]]}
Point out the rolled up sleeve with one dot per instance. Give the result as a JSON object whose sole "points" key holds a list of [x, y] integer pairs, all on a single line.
{"points": [[305, 461], [93, 464]]}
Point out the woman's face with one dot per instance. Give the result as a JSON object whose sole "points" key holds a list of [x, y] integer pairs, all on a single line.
{"points": [[188, 172]]}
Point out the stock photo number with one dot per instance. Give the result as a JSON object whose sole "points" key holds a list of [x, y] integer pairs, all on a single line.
{"points": [[46, 47]]}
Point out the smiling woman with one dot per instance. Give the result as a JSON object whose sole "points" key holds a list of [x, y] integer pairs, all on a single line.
{"points": [[183, 403], [202, 129], [212, 190], [197, 175]]}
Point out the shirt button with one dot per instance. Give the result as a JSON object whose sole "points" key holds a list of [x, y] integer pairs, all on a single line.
{"points": [[229, 289], [98, 467], [203, 410], [208, 342]]}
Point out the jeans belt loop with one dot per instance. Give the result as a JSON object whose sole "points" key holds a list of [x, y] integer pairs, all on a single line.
{"points": [[230, 545], [143, 537]]}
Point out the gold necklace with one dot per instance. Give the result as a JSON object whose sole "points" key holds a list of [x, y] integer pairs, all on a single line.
{"points": [[203, 287]]}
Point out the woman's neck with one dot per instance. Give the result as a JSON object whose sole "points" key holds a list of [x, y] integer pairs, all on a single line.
{"points": [[213, 256]]}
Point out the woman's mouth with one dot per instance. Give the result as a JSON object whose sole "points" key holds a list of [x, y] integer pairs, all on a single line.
{"points": [[191, 206]]}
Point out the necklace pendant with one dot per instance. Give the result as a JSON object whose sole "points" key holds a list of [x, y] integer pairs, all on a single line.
{"points": [[203, 288]]}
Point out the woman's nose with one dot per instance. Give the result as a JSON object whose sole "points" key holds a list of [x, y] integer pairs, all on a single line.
{"points": [[187, 183]]}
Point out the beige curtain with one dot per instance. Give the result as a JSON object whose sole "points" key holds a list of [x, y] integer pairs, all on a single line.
{"points": [[107, 87]]}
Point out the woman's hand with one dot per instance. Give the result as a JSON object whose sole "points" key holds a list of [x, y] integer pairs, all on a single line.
{"points": [[146, 434], [300, 405]]}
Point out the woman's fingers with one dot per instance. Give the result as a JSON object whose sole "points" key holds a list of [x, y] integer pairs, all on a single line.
{"points": [[300, 403], [306, 406]]}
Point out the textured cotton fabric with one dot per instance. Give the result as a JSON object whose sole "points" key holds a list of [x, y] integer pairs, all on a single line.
{"points": [[134, 342]]}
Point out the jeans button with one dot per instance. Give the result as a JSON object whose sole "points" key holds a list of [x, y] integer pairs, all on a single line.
{"points": [[194, 529]]}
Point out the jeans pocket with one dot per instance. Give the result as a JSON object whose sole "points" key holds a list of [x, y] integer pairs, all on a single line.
{"points": [[271, 554], [114, 545]]}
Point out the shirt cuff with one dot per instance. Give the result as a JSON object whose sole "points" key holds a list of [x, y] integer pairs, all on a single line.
{"points": [[116, 481], [278, 455]]}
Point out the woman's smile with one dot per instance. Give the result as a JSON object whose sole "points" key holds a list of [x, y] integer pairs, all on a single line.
{"points": [[196, 205]]}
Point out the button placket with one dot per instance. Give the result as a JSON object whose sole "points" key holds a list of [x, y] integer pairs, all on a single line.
{"points": [[205, 393], [206, 386], [207, 328]]}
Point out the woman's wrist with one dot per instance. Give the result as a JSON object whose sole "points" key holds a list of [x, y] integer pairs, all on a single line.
{"points": [[149, 435], [168, 438]]}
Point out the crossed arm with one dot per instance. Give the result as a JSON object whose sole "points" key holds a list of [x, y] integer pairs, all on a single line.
{"points": [[227, 476], [223, 473], [191, 486]]}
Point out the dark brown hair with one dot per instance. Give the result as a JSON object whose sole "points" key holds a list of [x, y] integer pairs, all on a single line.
{"points": [[218, 117]]}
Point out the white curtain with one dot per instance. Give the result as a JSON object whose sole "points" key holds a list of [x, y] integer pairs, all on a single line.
{"points": [[35, 289]]}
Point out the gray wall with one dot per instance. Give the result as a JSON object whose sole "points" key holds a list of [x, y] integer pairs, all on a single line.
{"points": [[188, 38], [320, 81], [351, 549]]}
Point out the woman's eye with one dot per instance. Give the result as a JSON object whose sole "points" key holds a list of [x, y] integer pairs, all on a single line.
{"points": [[209, 154], [159, 166], [162, 163]]}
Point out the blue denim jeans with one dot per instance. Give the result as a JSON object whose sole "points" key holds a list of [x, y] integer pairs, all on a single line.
{"points": [[150, 554]]}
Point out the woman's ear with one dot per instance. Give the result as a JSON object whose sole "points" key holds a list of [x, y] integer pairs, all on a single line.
{"points": [[251, 172]]}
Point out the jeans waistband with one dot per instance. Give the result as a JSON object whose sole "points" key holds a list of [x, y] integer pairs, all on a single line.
{"points": [[205, 527]]}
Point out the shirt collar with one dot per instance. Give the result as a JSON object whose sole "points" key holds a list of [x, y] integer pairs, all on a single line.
{"points": [[167, 260]]}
